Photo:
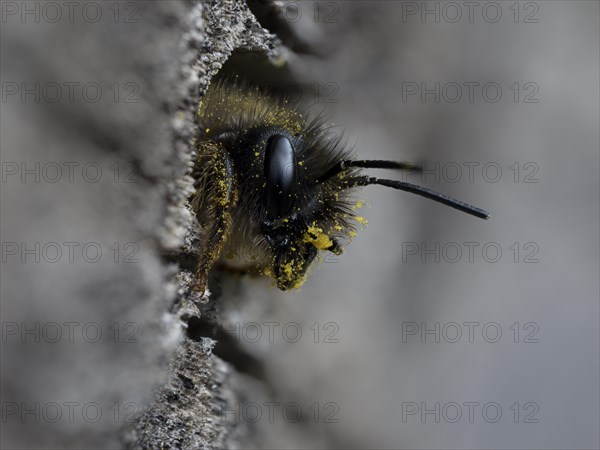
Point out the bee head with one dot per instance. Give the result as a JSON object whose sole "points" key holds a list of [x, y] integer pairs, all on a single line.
{"points": [[294, 178]]}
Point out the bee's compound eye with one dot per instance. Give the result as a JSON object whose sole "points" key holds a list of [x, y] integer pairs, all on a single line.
{"points": [[280, 175]]}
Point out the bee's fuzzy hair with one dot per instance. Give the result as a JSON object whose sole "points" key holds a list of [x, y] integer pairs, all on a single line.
{"points": [[233, 108]]}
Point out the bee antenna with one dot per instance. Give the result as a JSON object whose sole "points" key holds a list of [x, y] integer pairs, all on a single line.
{"points": [[367, 164], [419, 190]]}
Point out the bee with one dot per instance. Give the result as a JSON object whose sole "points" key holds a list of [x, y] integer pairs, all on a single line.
{"points": [[274, 185]]}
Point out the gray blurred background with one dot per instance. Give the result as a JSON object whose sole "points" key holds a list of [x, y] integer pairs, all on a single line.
{"points": [[374, 53], [379, 362]]}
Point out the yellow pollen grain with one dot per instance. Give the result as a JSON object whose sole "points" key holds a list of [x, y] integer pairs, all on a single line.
{"points": [[299, 283], [288, 268], [361, 220], [316, 237], [223, 201]]}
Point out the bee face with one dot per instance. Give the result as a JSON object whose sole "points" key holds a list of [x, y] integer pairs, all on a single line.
{"points": [[287, 204], [269, 180]]}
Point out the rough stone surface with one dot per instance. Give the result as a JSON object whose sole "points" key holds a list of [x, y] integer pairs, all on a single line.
{"points": [[188, 410], [168, 53]]}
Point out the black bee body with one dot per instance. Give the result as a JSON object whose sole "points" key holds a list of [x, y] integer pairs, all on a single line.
{"points": [[273, 188], [278, 214]]}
